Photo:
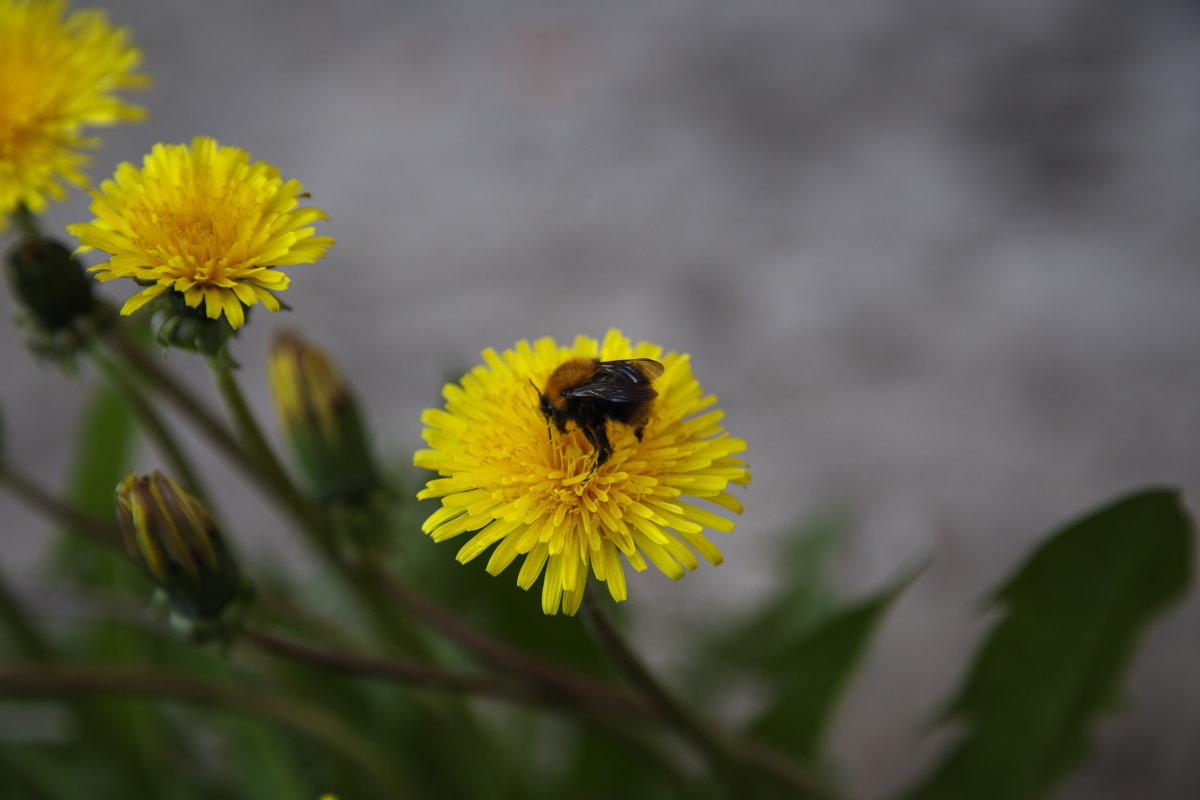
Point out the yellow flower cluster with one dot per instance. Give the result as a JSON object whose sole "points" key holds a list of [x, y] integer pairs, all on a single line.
{"points": [[510, 479], [204, 221]]}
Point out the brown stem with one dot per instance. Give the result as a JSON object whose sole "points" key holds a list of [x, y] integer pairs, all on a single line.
{"points": [[57, 682], [540, 673], [47, 504], [708, 740], [729, 753], [388, 669]]}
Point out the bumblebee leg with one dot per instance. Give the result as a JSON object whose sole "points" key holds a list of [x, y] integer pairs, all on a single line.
{"points": [[590, 433], [603, 448], [637, 432], [591, 437]]}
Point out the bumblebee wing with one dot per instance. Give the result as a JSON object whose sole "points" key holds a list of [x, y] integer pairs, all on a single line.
{"points": [[613, 392], [633, 370], [620, 381]]}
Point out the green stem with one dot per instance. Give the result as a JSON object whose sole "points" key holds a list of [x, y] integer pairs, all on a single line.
{"points": [[243, 419], [312, 522], [153, 373], [252, 454], [274, 477], [261, 463], [48, 505], [150, 420], [315, 723], [708, 740]]}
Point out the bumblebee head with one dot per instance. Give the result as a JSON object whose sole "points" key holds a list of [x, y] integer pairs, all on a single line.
{"points": [[551, 410], [548, 408]]}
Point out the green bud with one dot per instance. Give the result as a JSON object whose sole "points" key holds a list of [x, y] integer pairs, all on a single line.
{"points": [[321, 422], [49, 282], [170, 533]]}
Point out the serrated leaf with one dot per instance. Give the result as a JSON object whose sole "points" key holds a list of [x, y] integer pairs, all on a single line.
{"points": [[1072, 616], [814, 672]]}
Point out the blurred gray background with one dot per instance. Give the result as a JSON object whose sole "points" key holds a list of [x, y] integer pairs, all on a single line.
{"points": [[938, 259]]}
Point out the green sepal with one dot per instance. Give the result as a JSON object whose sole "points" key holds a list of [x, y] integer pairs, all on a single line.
{"points": [[175, 324], [335, 459]]}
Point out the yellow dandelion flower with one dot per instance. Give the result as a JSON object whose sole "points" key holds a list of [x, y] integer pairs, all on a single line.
{"points": [[58, 74], [203, 221], [510, 478]]}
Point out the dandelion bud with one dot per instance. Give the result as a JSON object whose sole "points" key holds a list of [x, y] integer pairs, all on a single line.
{"points": [[321, 421], [171, 534], [49, 282]]}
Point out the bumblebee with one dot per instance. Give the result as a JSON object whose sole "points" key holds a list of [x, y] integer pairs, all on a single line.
{"points": [[592, 393]]}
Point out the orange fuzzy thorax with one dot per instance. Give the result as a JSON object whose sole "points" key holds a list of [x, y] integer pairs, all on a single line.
{"points": [[568, 374]]}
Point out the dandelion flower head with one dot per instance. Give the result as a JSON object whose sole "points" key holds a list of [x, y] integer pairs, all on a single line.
{"points": [[206, 222], [59, 73], [508, 478]]}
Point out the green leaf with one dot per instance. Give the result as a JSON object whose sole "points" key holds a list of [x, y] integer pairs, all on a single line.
{"points": [[134, 735], [36, 773], [815, 669], [103, 443], [105, 440], [1054, 661]]}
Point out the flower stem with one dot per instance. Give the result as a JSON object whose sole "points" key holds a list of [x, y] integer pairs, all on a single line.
{"points": [[548, 677], [392, 670], [310, 720], [48, 505], [275, 479], [243, 419], [216, 432], [709, 741], [422, 675], [150, 420], [273, 476], [595, 709]]}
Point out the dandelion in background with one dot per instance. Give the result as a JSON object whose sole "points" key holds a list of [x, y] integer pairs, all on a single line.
{"points": [[59, 74], [511, 479], [205, 223], [321, 421]]}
